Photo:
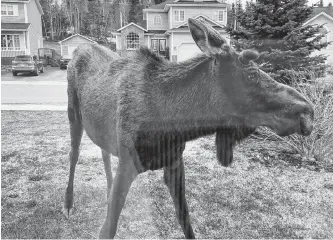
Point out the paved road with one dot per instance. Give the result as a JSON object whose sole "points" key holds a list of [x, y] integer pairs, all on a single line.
{"points": [[48, 91]]}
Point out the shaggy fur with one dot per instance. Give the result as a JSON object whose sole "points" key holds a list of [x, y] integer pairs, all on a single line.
{"points": [[144, 109]]}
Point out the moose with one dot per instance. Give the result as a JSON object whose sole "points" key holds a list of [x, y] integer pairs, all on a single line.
{"points": [[144, 109]]}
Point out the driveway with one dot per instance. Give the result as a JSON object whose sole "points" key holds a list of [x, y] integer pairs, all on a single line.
{"points": [[50, 74], [48, 91]]}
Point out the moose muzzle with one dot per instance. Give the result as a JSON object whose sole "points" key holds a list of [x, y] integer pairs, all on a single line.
{"points": [[306, 123]]}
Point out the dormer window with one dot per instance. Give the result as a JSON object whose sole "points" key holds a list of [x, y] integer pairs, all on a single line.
{"points": [[157, 20], [179, 15], [218, 16], [9, 10]]}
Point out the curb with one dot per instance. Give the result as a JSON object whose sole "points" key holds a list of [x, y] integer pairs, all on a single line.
{"points": [[33, 107]]}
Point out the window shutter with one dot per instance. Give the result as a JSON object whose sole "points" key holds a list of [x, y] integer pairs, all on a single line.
{"points": [[15, 10]]}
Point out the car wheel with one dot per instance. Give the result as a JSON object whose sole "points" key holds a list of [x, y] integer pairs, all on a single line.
{"points": [[14, 73], [42, 69], [36, 73]]}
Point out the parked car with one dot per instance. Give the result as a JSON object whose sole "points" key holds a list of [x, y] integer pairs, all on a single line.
{"points": [[27, 64], [64, 62]]}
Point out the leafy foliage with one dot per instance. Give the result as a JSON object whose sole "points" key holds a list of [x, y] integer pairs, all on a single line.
{"points": [[275, 28]]}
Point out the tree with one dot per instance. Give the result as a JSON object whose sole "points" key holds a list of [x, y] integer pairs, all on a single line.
{"points": [[94, 21], [75, 10], [275, 28], [135, 12], [55, 20]]}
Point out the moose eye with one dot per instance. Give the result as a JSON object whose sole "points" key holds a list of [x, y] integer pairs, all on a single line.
{"points": [[252, 76]]}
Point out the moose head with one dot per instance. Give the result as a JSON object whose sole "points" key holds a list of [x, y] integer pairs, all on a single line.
{"points": [[247, 96]]}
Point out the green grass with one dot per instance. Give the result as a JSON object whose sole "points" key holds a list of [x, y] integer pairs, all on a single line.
{"points": [[265, 194]]}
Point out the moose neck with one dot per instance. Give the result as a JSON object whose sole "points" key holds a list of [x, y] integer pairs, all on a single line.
{"points": [[187, 98]]}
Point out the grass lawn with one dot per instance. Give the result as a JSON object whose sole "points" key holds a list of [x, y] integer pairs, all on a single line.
{"points": [[262, 195]]}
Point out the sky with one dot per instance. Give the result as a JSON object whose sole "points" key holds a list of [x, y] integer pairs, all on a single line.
{"points": [[326, 2]]}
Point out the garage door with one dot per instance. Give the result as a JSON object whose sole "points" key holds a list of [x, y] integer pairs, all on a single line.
{"points": [[187, 51], [71, 50]]}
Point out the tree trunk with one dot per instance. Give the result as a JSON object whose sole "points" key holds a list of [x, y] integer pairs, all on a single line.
{"points": [[51, 19]]}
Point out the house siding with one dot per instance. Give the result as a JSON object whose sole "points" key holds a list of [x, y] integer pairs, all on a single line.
{"points": [[14, 19], [193, 11], [150, 21], [35, 30], [328, 51]]}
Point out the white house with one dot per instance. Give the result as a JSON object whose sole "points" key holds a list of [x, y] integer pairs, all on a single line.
{"points": [[21, 28], [166, 31], [324, 15]]}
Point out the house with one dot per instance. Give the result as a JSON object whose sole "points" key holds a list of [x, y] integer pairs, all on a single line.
{"points": [[21, 28], [324, 15], [68, 45], [166, 31]]}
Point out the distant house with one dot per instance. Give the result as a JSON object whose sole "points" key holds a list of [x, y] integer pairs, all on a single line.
{"points": [[324, 15], [21, 28], [68, 45], [166, 31]]}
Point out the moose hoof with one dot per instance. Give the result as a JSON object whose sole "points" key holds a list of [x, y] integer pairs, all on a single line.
{"points": [[68, 207], [67, 211], [105, 232]]}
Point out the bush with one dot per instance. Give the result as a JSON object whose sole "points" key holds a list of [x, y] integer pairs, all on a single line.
{"points": [[319, 145], [329, 69]]}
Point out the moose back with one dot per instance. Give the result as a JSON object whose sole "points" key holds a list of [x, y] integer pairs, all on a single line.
{"points": [[144, 109]]}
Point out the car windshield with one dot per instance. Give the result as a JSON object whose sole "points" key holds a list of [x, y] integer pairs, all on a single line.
{"points": [[23, 58]]}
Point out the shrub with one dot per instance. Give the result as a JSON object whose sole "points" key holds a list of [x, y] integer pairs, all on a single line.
{"points": [[319, 145]]}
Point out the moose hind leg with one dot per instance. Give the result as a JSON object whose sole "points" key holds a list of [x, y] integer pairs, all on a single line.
{"points": [[76, 130], [174, 178]]}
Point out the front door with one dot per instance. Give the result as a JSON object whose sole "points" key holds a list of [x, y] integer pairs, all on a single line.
{"points": [[159, 46]]}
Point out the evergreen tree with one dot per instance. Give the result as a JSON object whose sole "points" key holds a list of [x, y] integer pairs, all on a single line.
{"points": [[275, 28]]}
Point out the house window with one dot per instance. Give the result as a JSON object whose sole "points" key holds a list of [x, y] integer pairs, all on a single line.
{"points": [[157, 20], [218, 16], [10, 42], [132, 41], [179, 15], [9, 10], [3, 9], [16, 42]]}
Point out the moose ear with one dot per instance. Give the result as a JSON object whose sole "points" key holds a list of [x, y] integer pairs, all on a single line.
{"points": [[208, 40]]}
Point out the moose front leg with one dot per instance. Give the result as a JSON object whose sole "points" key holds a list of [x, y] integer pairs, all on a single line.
{"points": [[174, 178], [125, 175]]}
